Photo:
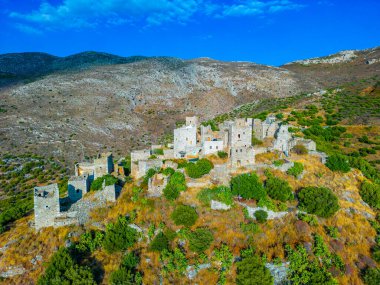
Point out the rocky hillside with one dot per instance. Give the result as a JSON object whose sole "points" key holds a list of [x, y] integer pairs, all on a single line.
{"points": [[78, 105]]}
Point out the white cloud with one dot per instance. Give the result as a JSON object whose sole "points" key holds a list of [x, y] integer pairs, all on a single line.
{"points": [[88, 13]]}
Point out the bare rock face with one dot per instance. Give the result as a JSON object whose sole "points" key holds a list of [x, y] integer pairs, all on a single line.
{"points": [[80, 105]]}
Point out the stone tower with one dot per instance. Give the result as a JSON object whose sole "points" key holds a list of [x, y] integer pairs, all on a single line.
{"points": [[46, 205]]}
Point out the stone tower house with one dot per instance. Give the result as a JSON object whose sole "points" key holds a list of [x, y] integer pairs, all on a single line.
{"points": [[46, 205]]}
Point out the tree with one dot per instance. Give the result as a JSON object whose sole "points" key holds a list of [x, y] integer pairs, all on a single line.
{"points": [[338, 162], [222, 154], [200, 240], [200, 168], [371, 276], [248, 186], [160, 242], [62, 269], [251, 271], [127, 273], [177, 183], [261, 216], [319, 201], [119, 236], [278, 189], [184, 215], [122, 277], [370, 193]]}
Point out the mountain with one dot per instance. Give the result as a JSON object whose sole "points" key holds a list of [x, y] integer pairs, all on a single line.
{"points": [[75, 106]]}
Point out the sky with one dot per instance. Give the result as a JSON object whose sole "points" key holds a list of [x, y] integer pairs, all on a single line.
{"points": [[269, 32]]}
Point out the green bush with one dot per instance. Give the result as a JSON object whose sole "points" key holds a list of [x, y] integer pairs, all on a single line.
{"points": [[221, 193], [160, 242], [371, 276], [200, 240], [261, 216], [90, 241], [158, 151], [338, 162], [296, 170], [119, 236], [168, 171], [98, 182], [251, 271], [200, 168], [177, 183], [127, 272], [222, 154], [278, 189], [171, 192], [319, 201], [370, 193], [306, 270], [63, 269], [248, 186], [184, 215]]}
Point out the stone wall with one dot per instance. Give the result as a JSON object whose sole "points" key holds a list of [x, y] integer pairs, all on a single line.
{"points": [[192, 121], [283, 138]]}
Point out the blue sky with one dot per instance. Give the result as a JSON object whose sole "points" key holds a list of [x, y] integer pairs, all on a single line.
{"points": [[269, 32]]}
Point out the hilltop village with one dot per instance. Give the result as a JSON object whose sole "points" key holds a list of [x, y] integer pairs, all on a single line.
{"points": [[192, 142]]}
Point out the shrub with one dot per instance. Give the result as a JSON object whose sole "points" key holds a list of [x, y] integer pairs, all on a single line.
{"points": [[371, 276], [370, 193], [122, 276], [176, 184], [97, 184], [119, 236], [251, 270], [296, 170], [319, 201], [158, 151], [200, 168], [160, 242], [90, 241], [278, 189], [222, 194], [184, 215], [168, 171], [222, 154], [248, 186], [261, 216], [63, 269], [338, 162], [200, 240], [127, 273], [300, 149], [171, 192]]}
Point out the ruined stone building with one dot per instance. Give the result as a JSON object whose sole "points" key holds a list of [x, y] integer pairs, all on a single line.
{"points": [[137, 155], [192, 121], [157, 184], [144, 165], [46, 205], [283, 138], [242, 156], [210, 141], [239, 132], [265, 129], [101, 166], [284, 141], [77, 186]]}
